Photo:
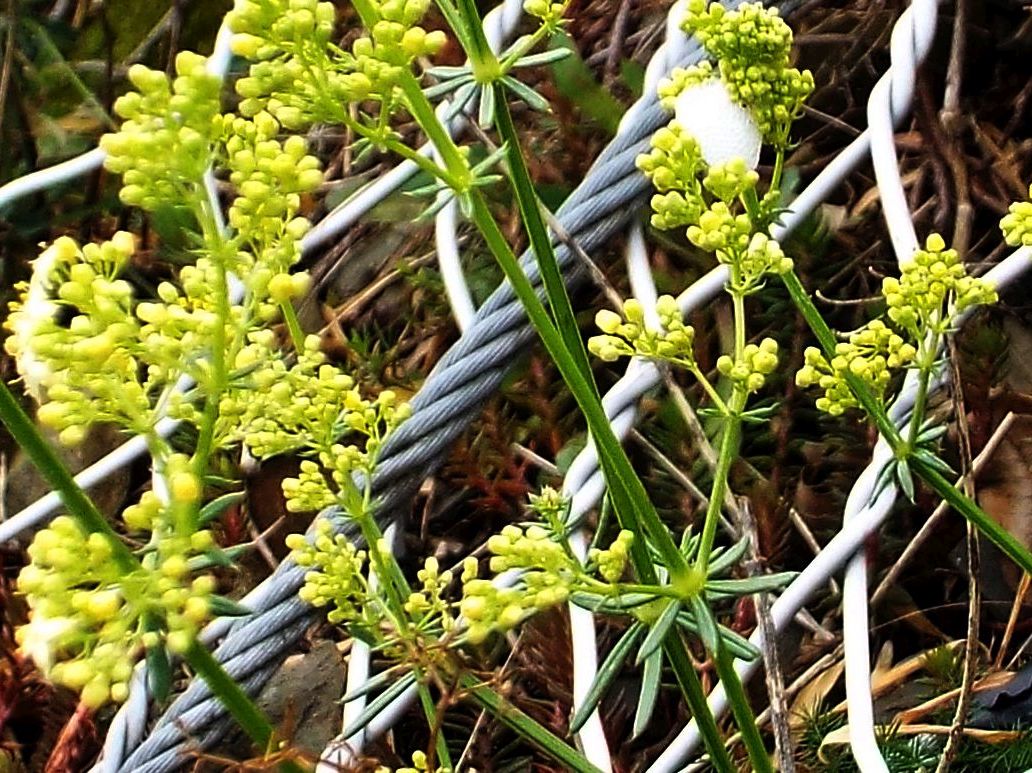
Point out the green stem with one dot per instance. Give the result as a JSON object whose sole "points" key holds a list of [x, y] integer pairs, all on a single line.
{"points": [[924, 373], [744, 717], [28, 438], [530, 212], [693, 693], [963, 504], [632, 504], [704, 382], [511, 716], [729, 445], [389, 573], [482, 59], [779, 168], [217, 247], [423, 112], [236, 701]]}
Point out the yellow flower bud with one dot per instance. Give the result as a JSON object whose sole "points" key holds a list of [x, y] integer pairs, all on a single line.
{"points": [[185, 487]]}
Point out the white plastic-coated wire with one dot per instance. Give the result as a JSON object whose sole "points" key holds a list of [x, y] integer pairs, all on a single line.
{"points": [[889, 102]]}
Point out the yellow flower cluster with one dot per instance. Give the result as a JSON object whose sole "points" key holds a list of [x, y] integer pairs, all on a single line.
{"points": [[76, 341], [299, 77], [90, 621], [628, 335], [167, 139]]}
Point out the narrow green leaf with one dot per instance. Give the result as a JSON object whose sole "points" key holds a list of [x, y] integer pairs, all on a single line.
{"points": [[610, 604], [223, 557], [650, 681], [446, 87], [486, 115], [761, 583], [448, 72], [722, 560], [931, 433], [218, 506], [80, 506], [375, 683], [706, 623], [607, 672], [381, 702], [223, 607], [545, 57], [933, 461], [905, 479], [159, 672], [737, 645], [534, 100]]}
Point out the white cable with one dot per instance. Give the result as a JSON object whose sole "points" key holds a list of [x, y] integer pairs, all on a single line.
{"points": [[889, 102]]}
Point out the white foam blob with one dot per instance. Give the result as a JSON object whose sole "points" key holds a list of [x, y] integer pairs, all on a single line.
{"points": [[723, 128]]}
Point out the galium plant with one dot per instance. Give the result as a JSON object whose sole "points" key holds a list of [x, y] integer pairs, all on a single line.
{"points": [[90, 350]]}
